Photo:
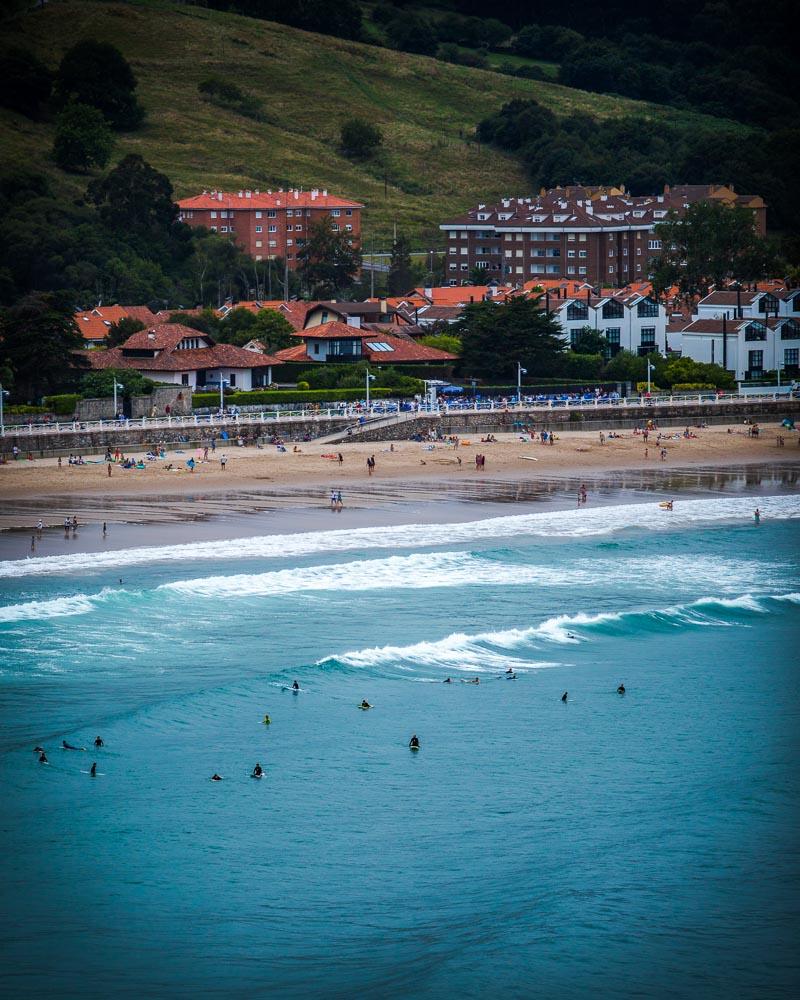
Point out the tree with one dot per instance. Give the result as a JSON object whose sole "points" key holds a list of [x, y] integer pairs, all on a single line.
{"points": [[82, 139], [709, 245], [495, 338], [589, 341], [626, 366], [360, 138], [119, 332], [41, 344], [27, 82], [328, 260], [134, 196], [400, 279], [97, 74], [479, 276], [100, 384], [273, 330], [442, 342], [411, 33]]}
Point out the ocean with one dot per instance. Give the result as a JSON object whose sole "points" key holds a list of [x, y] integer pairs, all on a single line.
{"points": [[619, 845]]}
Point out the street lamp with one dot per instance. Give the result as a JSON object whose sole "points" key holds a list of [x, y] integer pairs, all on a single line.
{"points": [[117, 385], [222, 383], [650, 368], [369, 378], [3, 394], [520, 372]]}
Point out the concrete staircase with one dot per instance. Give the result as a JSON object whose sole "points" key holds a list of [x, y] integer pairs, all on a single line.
{"points": [[362, 431]]}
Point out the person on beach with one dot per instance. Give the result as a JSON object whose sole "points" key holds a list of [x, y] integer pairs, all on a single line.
{"points": [[341, 458], [74, 524], [93, 770], [414, 742], [564, 697], [339, 500], [333, 499], [621, 689], [190, 465], [39, 526], [105, 529], [98, 742], [33, 543], [258, 771], [109, 470], [757, 516], [223, 458]]}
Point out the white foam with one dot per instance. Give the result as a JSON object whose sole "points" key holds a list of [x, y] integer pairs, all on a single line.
{"points": [[77, 604], [565, 524]]}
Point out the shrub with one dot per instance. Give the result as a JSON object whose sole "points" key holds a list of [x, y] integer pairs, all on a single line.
{"points": [[82, 140], [267, 397], [228, 95], [693, 386], [360, 138], [303, 385], [63, 405]]}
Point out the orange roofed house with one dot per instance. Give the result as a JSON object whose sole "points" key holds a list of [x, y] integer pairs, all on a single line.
{"points": [[273, 223]]}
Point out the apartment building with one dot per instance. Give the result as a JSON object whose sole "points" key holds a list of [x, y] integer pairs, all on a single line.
{"points": [[273, 223], [603, 236], [628, 321]]}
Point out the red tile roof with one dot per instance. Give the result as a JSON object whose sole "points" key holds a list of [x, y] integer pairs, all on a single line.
{"points": [[402, 347], [94, 324], [245, 200]]}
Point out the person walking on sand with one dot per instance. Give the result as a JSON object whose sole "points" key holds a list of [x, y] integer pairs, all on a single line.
{"points": [[39, 527], [105, 529], [333, 499], [109, 470], [223, 458], [339, 500], [341, 458]]}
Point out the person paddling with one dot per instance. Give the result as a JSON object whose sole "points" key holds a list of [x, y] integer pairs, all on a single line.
{"points": [[43, 758], [93, 770], [295, 686], [621, 689], [365, 704], [258, 771], [414, 742]]}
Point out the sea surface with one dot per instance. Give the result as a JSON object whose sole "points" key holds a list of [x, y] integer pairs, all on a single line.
{"points": [[642, 844]]}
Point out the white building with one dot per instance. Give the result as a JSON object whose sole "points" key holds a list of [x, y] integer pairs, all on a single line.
{"points": [[748, 346], [629, 322]]}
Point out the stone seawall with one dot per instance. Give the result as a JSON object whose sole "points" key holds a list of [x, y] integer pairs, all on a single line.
{"points": [[133, 439]]}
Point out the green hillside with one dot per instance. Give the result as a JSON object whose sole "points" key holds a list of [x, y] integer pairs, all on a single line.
{"points": [[308, 85]]}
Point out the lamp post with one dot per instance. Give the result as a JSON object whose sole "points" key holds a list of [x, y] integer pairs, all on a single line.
{"points": [[222, 383], [369, 378], [3, 394], [649, 369], [520, 372], [116, 386]]}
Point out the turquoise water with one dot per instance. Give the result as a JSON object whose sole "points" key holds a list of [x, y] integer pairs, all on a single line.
{"points": [[622, 846]]}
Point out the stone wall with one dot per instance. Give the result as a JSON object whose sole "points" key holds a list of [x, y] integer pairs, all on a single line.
{"points": [[177, 397], [95, 409]]}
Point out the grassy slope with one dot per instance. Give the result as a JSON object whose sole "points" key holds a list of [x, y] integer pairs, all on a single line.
{"points": [[308, 84]]}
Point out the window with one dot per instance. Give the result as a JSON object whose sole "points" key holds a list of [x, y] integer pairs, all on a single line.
{"points": [[755, 331], [212, 229], [570, 253], [258, 243], [348, 211], [648, 336], [553, 269], [647, 308], [583, 254], [554, 252], [611, 252], [577, 310], [185, 378], [290, 243], [755, 362], [233, 378], [790, 330], [654, 244], [538, 252], [224, 215], [767, 303], [610, 268], [213, 215], [273, 243], [258, 215], [613, 310], [482, 265], [581, 270], [613, 334], [273, 229], [571, 269], [465, 267], [454, 267], [348, 227], [791, 357], [638, 251], [335, 213], [259, 229], [465, 251], [537, 268], [582, 238], [571, 237], [290, 228], [379, 346], [271, 214]]}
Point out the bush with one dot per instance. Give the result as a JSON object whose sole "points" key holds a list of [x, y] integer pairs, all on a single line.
{"points": [[21, 409], [693, 386], [26, 82], [360, 138], [97, 74], [63, 405], [267, 397], [303, 385], [228, 95], [450, 52]]}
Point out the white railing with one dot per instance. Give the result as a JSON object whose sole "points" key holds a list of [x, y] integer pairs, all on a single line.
{"points": [[381, 412]]}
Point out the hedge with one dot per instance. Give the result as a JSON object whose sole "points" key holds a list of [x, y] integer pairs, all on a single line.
{"points": [[24, 410], [277, 396], [64, 405]]}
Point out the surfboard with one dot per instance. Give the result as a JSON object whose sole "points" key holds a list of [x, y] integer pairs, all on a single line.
{"points": [[73, 748], [414, 748], [97, 774], [257, 776], [365, 708]]}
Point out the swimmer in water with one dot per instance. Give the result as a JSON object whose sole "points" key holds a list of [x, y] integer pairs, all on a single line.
{"points": [[258, 770], [621, 689], [93, 770], [757, 515], [510, 670], [216, 777], [38, 749], [447, 680], [414, 743], [365, 704], [295, 686], [267, 720], [473, 680], [98, 742], [564, 697], [69, 746], [43, 758]]}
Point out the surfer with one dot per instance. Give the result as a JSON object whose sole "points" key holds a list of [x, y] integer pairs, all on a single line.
{"points": [[38, 749], [365, 704], [510, 670], [98, 742], [267, 720], [474, 680], [295, 686], [447, 680], [69, 746], [93, 771], [43, 758], [621, 689], [564, 697], [757, 516], [216, 777], [414, 743], [258, 771]]}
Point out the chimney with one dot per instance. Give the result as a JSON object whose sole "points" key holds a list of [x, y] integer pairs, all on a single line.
{"points": [[241, 194], [151, 335], [248, 194], [383, 306]]}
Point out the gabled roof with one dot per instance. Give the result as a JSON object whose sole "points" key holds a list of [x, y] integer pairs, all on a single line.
{"points": [[94, 324], [729, 298], [394, 347], [248, 199], [164, 336], [330, 331]]}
